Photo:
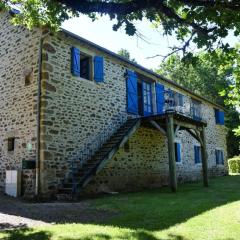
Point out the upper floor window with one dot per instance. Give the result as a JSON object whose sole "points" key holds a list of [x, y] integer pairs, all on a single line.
{"points": [[219, 117], [219, 157], [86, 66], [196, 109]]}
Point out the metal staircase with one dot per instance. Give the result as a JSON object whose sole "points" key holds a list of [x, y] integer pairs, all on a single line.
{"points": [[81, 174]]}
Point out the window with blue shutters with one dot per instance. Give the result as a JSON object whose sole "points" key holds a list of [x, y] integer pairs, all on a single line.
{"points": [[178, 156], [219, 117], [87, 67], [197, 154], [132, 93], [159, 88], [219, 157]]}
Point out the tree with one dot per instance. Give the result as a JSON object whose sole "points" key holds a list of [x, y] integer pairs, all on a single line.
{"points": [[126, 54], [208, 76], [203, 22]]}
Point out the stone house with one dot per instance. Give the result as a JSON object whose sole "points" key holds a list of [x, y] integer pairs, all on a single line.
{"points": [[78, 118]]}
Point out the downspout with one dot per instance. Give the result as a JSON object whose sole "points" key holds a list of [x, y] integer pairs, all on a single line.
{"points": [[39, 93]]}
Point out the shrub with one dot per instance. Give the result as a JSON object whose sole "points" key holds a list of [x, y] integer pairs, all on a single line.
{"points": [[234, 165]]}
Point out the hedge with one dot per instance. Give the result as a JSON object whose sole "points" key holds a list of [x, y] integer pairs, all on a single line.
{"points": [[234, 165]]}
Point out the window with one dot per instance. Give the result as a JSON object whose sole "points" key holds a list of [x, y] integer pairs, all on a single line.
{"points": [[86, 66], [219, 157], [197, 154], [219, 117], [196, 110], [11, 144], [178, 157]]}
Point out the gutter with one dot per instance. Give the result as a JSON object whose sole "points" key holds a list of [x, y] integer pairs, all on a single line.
{"points": [[39, 94]]}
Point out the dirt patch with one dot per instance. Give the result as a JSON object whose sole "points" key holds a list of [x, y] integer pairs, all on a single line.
{"points": [[15, 213]]}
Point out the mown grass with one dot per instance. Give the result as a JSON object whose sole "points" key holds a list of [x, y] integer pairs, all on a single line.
{"points": [[193, 212]]}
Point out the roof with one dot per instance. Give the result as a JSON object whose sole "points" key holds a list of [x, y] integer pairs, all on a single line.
{"points": [[117, 56]]}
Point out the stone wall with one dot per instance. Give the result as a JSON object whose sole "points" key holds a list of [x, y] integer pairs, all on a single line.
{"points": [[18, 94], [76, 111], [144, 162]]}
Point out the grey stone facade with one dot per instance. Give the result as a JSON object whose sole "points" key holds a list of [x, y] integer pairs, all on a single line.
{"points": [[76, 113], [18, 94]]}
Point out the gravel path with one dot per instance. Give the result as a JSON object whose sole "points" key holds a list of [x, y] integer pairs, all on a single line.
{"points": [[15, 213]]}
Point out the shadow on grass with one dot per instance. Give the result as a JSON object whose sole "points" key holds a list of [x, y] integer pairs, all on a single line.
{"points": [[150, 210], [27, 234]]}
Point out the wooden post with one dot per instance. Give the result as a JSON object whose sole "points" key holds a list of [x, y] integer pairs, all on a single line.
{"points": [[204, 158], [171, 152]]}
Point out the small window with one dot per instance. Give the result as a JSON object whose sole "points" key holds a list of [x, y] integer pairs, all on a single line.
{"points": [[197, 154], [85, 67], [11, 144], [178, 152], [219, 157], [28, 80]]}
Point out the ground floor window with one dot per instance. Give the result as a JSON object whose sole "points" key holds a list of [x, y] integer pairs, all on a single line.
{"points": [[219, 157], [197, 154], [178, 156]]}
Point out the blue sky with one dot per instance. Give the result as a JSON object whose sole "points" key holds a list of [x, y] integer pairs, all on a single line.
{"points": [[101, 33]]}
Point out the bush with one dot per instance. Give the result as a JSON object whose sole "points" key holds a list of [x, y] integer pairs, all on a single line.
{"points": [[234, 165]]}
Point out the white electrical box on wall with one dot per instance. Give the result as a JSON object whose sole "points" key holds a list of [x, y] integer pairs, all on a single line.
{"points": [[13, 183]]}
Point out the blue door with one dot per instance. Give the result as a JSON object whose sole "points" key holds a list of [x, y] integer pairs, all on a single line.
{"points": [[147, 98]]}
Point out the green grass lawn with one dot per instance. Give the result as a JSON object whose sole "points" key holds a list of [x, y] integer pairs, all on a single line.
{"points": [[194, 212]]}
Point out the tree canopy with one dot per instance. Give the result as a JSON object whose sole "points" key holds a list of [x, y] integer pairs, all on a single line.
{"points": [[203, 22], [126, 54], [211, 76]]}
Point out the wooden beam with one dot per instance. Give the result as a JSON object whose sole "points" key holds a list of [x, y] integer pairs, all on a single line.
{"points": [[204, 158], [185, 124], [199, 136], [171, 153], [176, 130], [194, 135], [158, 127]]}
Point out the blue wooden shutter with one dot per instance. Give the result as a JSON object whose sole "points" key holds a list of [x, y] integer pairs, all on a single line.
{"points": [[178, 152], [222, 158], [159, 97], [221, 117], [98, 69], [75, 60], [197, 154], [132, 94]]}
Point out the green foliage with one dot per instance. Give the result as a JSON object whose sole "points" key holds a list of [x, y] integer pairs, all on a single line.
{"points": [[126, 54], [234, 165], [204, 23], [209, 75]]}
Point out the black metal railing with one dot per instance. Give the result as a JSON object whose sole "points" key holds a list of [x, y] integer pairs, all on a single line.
{"points": [[182, 104]]}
